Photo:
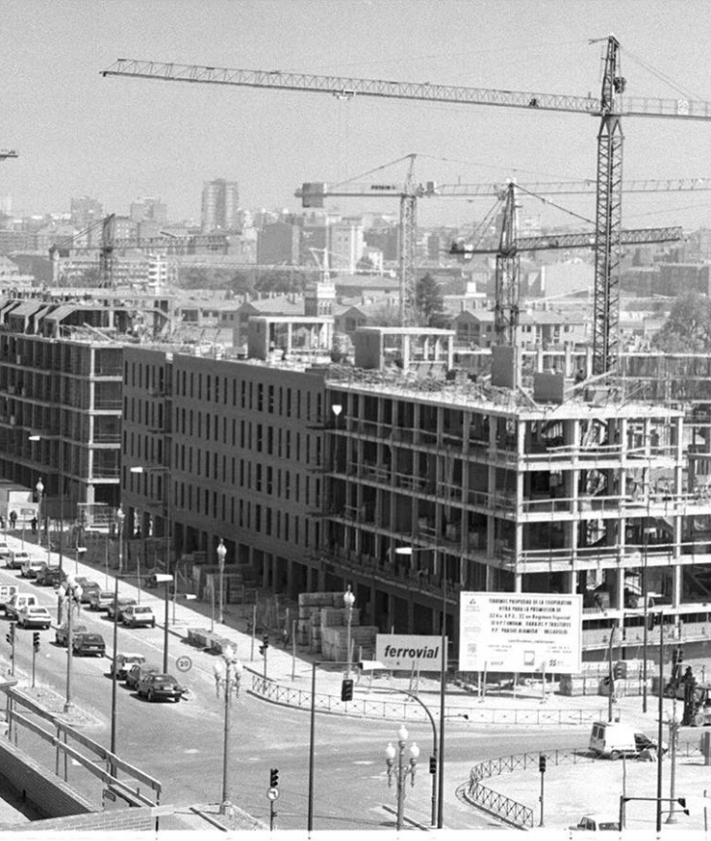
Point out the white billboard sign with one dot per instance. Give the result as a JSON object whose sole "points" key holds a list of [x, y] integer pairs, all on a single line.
{"points": [[405, 651], [520, 632]]}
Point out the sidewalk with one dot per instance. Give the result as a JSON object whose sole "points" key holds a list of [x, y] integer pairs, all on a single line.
{"points": [[573, 790]]}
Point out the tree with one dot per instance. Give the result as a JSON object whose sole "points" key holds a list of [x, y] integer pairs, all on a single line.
{"points": [[688, 327], [429, 301]]}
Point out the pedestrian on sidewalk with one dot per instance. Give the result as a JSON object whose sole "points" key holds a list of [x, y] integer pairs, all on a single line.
{"points": [[33, 524], [13, 519]]}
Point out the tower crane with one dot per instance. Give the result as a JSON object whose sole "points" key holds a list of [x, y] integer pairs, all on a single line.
{"points": [[507, 283], [312, 194], [609, 107]]}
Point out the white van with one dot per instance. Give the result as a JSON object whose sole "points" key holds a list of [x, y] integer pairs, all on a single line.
{"points": [[612, 740], [17, 602]]}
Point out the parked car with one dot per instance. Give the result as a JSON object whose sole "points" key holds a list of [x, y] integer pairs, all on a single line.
{"points": [[137, 671], [4, 551], [157, 686], [61, 635], [87, 588], [100, 599], [50, 576], [34, 617], [88, 644], [123, 603], [15, 560], [589, 823], [138, 614], [17, 602], [31, 567], [643, 742], [124, 663]]}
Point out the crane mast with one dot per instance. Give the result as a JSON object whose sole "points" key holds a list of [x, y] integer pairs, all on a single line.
{"points": [[609, 107]]}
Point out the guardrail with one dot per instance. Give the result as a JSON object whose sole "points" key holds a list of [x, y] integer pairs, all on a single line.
{"points": [[507, 808], [408, 710]]}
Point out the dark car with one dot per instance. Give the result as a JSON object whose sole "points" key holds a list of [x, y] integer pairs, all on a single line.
{"points": [[157, 686], [62, 632], [123, 602], [50, 576], [139, 671], [87, 588], [643, 742], [88, 644]]}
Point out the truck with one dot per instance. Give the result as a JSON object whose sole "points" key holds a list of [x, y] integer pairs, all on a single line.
{"points": [[20, 500]]}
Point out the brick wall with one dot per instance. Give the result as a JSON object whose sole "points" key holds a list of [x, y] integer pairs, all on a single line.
{"points": [[50, 795]]}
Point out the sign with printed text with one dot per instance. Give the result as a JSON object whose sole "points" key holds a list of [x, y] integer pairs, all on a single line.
{"points": [[405, 651], [520, 632]]}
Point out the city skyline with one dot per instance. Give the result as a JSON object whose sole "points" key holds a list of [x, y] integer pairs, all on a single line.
{"points": [[116, 139]]}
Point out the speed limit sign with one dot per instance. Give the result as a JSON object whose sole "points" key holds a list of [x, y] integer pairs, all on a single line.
{"points": [[183, 664]]}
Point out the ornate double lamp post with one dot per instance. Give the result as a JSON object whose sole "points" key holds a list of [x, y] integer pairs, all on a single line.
{"points": [[70, 593], [228, 675], [401, 768]]}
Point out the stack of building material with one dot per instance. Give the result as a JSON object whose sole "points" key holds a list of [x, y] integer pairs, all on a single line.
{"points": [[311, 606], [334, 643]]}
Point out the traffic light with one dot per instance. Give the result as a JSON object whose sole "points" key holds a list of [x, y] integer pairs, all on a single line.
{"points": [[265, 644], [542, 764], [433, 765], [10, 636], [347, 689], [617, 670], [36, 641], [274, 778]]}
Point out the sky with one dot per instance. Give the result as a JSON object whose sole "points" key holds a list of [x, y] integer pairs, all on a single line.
{"points": [[120, 139]]}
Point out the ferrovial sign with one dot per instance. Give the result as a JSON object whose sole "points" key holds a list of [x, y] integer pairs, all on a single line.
{"points": [[520, 632], [405, 651]]}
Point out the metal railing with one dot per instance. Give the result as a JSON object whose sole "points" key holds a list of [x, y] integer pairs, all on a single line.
{"points": [[407, 710], [507, 808]]}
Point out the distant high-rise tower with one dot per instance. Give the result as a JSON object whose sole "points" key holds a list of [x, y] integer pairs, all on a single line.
{"points": [[220, 203]]}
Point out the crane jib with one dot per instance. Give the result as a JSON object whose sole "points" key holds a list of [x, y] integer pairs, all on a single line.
{"points": [[348, 87]]}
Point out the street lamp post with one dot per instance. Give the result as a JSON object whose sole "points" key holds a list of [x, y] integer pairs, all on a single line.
{"points": [[349, 601], [70, 592], [228, 675], [221, 552], [409, 550], [120, 518], [42, 510], [402, 770]]}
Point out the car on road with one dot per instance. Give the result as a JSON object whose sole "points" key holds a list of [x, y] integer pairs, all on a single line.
{"points": [[17, 602], [137, 672], [590, 823], [159, 686], [4, 551], [88, 644], [61, 635], [135, 615], [88, 586], [100, 599], [50, 576], [124, 662], [123, 603], [643, 742], [15, 560], [34, 616], [31, 567]]}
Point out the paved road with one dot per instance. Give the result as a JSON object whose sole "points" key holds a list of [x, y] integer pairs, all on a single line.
{"points": [[181, 744]]}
